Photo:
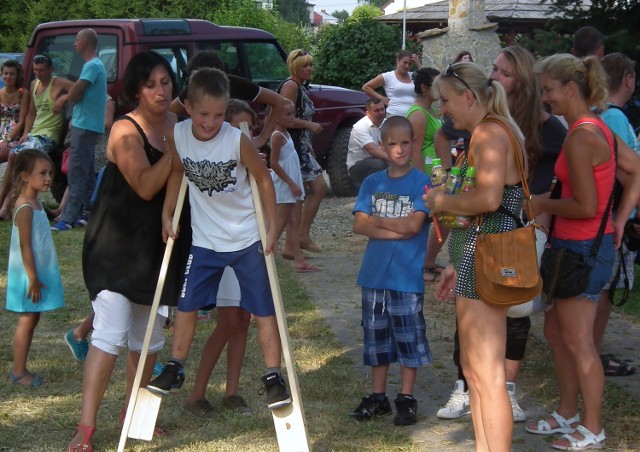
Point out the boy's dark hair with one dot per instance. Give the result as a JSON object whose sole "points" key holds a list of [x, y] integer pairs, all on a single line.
{"points": [[138, 72], [395, 122], [237, 106], [586, 41], [207, 82]]}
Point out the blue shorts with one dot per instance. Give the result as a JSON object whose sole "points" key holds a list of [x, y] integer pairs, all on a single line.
{"points": [[394, 328], [204, 271], [602, 264]]}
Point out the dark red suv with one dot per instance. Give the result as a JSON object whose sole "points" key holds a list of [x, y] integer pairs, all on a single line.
{"points": [[247, 52]]}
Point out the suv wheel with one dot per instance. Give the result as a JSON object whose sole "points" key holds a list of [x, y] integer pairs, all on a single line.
{"points": [[337, 163]]}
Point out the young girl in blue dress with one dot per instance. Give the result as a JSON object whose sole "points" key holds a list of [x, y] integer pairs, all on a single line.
{"points": [[34, 284]]}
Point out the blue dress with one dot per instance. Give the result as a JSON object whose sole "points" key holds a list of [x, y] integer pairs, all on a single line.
{"points": [[47, 268]]}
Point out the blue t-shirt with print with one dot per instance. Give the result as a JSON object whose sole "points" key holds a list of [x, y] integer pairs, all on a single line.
{"points": [[88, 112], [393, 264]]}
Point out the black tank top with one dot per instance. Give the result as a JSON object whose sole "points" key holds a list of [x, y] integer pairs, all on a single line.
{"points": [[123, 245]]}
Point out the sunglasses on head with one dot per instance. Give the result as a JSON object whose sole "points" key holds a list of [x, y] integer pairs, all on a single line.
{"points": [[449, 72], [300, 54], [40, 59]]}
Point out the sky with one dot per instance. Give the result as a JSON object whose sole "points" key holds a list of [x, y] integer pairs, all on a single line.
{"points": [[334, 5]]}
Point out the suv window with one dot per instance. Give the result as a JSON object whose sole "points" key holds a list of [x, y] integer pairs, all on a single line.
{"points": [[263, 62], [67, 63], [177, 57]]}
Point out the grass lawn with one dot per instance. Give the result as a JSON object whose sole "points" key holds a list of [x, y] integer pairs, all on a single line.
{"points": [[44, 418]]}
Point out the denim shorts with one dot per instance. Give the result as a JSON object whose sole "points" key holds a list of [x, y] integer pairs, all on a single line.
{"points": [[204, 271], [602, 263], [394, 328]]}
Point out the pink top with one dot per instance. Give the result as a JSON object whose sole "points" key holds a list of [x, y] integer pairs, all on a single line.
{"points": [[586, 228]]}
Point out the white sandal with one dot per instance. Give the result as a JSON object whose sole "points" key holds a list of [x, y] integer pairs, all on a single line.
{"points": [[589, 440], [564, 425]]}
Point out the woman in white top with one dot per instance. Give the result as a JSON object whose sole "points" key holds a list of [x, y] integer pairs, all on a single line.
{"points": [[397, 84]]}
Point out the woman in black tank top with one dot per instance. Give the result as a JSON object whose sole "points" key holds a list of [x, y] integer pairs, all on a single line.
{"points": [[123, 245]]}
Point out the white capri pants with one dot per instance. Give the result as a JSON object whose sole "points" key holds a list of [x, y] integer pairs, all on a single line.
{"points": [[121, 324]]}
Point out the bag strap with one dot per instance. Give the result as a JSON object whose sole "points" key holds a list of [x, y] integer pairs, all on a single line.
{"points": [[518, 151], [603, 224], [614, 282]]}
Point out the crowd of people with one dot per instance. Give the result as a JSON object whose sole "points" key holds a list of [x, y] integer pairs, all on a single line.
{"points": [[560, 116]]}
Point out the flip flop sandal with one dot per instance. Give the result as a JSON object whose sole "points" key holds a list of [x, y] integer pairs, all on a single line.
{"points": [[85, 442], [544, 428], [310, 268], [589, 440], [616, 368], [35, 381]]}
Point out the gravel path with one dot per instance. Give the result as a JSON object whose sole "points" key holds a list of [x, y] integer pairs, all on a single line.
{"points": [[337, 297]]}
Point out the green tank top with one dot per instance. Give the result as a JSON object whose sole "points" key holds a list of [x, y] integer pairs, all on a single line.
{"points": [[428, 147], [47, 123]]}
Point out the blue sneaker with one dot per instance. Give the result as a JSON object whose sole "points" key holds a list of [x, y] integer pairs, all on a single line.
{"points": [[79, 349], [157, 370], [82, 221], [61, 226]]}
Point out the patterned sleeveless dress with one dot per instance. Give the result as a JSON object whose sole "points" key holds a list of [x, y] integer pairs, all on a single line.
{"points": [[9, 117], [462, 242]]}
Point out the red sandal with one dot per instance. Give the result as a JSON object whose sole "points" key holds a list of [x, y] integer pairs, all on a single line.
{"points": [[85, 443]]}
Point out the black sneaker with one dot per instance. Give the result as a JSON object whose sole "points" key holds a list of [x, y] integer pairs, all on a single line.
{"points": [[406, 410], [274, 386], [370, 408], [170, 380]]}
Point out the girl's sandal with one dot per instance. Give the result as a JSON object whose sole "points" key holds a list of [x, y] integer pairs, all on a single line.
{"points": [[85, 442], [543, 427], [20, 380], [589, 440]]}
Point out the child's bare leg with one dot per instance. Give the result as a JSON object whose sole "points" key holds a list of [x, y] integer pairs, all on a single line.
{"points": [[408, 379], [82, 331], [236, 348], [379, 378], [292, 239], [183, 331], [211, 351], [269, 340], [22, 339]]}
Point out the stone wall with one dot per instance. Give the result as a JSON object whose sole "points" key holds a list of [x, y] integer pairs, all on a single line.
{"points": [[468, 30]]}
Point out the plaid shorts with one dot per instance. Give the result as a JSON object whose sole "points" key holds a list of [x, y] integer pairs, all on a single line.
{"points": [[394, 328]]}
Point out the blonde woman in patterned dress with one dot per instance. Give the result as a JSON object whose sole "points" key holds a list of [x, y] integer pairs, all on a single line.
{"points": [[468, 95]]}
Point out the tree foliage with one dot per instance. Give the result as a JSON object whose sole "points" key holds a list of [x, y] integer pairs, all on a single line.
{"points": [[293, 11], [364, 12], [376, 3], [341, 15], [616, 19], [354, 53], [19, 18]]}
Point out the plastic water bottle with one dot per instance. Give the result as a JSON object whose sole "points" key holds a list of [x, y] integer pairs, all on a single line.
{"points": [[452, 187], [464, 221], [438, 175]]}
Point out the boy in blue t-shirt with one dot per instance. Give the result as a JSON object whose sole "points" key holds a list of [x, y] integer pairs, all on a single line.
{"points": [[389, 210]]}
